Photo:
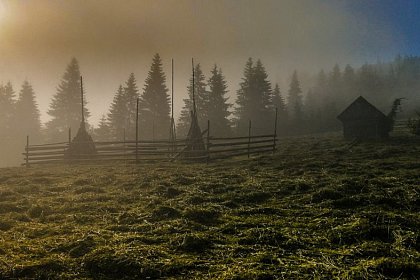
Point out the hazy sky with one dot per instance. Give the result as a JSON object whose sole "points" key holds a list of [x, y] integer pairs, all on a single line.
{"points": [[112, 38]]}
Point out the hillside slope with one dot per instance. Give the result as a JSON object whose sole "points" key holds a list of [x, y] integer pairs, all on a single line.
{"points": [[317, 209]]}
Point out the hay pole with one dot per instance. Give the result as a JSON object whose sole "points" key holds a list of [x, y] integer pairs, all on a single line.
{"points": [[137, 129], [249, 137], [208, 141], [27, 151], [275, 132]]}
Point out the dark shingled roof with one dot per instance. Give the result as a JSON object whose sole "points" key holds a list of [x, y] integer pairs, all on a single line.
{"points": [[360, 109]]}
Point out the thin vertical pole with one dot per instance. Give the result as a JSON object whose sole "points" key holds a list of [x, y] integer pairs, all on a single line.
{"points": [[69, 136], [275, 132], [137, 130], [249, 138], [172, 88], [193, 87], [81, 93], [208, 141], [124, 145], [27, 151]]}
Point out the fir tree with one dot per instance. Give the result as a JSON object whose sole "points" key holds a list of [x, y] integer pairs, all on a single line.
{"points": [[254, 99], [279, 103], [7, 109], [27, 114], [65, 106], [243, 112], [218, 108], [295, 104], [102, 132], [117, 116], [155, 107], [201, 102], [130, 95]]}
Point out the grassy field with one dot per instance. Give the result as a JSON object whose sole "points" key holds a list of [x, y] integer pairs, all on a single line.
{"points": [[316, 210]]}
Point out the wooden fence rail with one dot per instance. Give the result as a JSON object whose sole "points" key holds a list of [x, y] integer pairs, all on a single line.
{"points": [[160, 150]]}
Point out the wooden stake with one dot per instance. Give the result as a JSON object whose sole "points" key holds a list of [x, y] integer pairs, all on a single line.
{"points": [[137, 130], [275, 132], [208, 141], [249, 138], [27, 151], [83, 106], [69, 136]]}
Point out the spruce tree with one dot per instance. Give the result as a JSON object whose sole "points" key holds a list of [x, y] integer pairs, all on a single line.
{"points": [[243, 112], [117, 116], [130, 95], [279, 103], [295, 104], [102, 132], [155, 107], [65, 107], [254, 100], [27, 114], [7, 109], [201, 102], [218, 108]]}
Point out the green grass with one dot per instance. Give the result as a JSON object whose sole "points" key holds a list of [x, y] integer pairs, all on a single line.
{"points": [[315, 210]]}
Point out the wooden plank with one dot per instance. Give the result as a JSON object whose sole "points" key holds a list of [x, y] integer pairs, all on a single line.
{"points": [[240, 143], [46, 148], [240, 149], [241, 137], [44, 153]]}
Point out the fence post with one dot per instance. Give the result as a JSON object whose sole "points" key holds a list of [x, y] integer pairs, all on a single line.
{"points": [[137, 130], [124, 144], [208, 141], [275, 132], [27, 151], [69, 136], [249, 138]]}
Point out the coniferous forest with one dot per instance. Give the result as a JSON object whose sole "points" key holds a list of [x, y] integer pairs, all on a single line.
{"points": [[300, 110]]}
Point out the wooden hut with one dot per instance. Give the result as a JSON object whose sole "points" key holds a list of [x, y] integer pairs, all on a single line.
{"points": [[362, 120]]}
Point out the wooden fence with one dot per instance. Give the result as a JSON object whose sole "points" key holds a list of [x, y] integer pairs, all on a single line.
{"points": [[160, 150]]}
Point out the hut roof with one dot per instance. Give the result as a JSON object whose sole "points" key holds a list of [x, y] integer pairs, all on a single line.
{"points": [[360, 109]]}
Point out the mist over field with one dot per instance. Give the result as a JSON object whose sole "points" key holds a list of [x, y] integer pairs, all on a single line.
{"points": [[198, 139], [112, 39]]}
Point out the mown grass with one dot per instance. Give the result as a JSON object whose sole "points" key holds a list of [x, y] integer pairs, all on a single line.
{"points": [[315, 210]]}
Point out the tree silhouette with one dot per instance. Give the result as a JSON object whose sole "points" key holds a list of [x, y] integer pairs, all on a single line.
{"points": [[27, 114], [117, 116], [130, 95], [154, 103], [65, 106], [201, 102], [254, 99], [218, 108], [7, 109], [102, 132], [295, 103]]}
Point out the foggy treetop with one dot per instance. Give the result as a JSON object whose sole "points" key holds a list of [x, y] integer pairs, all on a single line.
{"points": [[111, 40]]}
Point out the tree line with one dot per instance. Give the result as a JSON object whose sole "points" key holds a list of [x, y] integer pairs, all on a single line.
{"points": [[256, 99]]}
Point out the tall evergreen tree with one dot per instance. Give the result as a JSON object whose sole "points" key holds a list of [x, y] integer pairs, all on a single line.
{"points": [[201, 102], [155, 107], [254, 99], [27, 114], [7, 109], [102, 132], [218, 107], [295, 104], [117, 116], [65, 107], [280, 104], [130, 95]]}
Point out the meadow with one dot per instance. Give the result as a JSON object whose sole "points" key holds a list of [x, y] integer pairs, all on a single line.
{"points": [[317, 209]]}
